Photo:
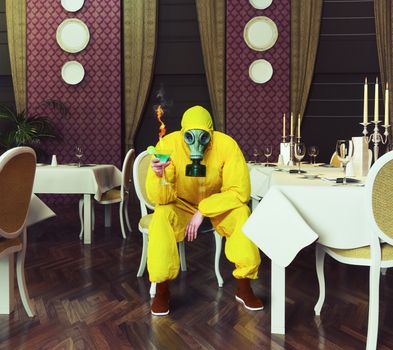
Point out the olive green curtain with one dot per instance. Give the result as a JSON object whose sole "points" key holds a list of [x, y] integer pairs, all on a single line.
{"points": [[211, 19], [383, 10], [16, 33], [305, 24], [139, 40]]}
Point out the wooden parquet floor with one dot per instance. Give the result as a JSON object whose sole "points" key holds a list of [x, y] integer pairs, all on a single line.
{"points": [[88, 297]]}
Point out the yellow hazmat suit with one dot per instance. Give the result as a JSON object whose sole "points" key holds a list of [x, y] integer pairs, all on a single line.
{"points": [[222, 196]]}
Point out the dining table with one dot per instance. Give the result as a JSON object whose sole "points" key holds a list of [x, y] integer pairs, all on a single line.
{"points": [[88, 180], [294, 210]]}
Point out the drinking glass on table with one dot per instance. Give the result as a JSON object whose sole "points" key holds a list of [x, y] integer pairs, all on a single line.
{"points": [[255, 154], [267, 151], [344, 150], [299, 153], [313, 151], [79, 154]]}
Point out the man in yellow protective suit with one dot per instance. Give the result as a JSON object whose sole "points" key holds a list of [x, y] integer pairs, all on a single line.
{"points": [[221, 195]]}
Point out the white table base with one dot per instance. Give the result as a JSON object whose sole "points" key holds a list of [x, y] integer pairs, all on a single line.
{"points": [[278, 299]]}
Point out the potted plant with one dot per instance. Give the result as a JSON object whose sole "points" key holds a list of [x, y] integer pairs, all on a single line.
{"points": [[23, 129]]}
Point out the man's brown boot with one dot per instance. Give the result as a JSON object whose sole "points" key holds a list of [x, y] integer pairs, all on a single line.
{"points": [[160, 305], [245, 295]]}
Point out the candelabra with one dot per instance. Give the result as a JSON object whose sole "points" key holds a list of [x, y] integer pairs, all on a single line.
{"points": [[292, 150], [376, 137]]}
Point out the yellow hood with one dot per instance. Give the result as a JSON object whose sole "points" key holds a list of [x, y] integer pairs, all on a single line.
{"points": [[197, 117]]}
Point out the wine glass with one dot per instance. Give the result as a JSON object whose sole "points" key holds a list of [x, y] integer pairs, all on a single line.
{"points": [[163, 156], [344, 151], [299, 152], [267, 151], [79, 154], [255, 154], [313, 151]]}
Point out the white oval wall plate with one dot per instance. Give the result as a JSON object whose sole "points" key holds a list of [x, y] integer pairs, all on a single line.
{"points": [[261, 4], [72, 5], [260, 33], [72, 35], [72, 72], [260, 71]]}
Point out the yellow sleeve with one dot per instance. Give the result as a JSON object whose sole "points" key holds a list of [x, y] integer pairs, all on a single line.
{"points": [[235, 190]]}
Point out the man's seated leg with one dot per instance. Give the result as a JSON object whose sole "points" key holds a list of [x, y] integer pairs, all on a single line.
{"points": [[242, 252], [165, 230]]}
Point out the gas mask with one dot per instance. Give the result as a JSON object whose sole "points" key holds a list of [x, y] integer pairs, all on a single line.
{"points": [[197, 140]]}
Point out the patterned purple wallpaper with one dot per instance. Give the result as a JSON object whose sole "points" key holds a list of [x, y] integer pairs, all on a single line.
{"points": [[254, 111], [94, 121]]}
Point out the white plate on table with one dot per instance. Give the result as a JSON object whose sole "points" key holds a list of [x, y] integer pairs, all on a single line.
{"points": [[72, 35]]}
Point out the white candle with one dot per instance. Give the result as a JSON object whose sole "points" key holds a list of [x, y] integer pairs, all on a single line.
{"points": [[365, 102], [376, 101], [298, 126], [283, 126], [291, 134], [387, 104]]}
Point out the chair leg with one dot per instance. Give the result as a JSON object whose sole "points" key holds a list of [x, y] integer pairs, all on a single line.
{"points": [[121, 214], [319, 263], [81, 217], [182, 253], [218, 240], [142, 264], [373, 308], [127, 216], [20, 274], [153, 287], [108, 215]]}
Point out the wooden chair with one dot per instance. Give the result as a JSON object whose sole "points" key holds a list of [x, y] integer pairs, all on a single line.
{"points": [[379, 253], [115, 195], [141, 165], [17, 171]]}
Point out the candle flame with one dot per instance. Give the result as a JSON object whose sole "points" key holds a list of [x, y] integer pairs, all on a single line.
{"points": [[159, 114]]}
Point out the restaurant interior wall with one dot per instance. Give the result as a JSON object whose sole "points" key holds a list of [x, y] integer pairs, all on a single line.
{"points": [[179, 74], [347, 53], [254, 111], [6, 89], [94, 120]]}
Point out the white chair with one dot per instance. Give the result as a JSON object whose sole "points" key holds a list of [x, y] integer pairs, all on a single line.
{"points": [[379, 254], [141, 165], [115, 195], [17, 171]]}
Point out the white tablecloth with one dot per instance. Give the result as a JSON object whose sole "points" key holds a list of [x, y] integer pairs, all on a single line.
{"points": [[68, 179], [294, 212], [38, 211]]}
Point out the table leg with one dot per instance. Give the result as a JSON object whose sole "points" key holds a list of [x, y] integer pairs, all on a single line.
{"points": [[278, 299], [87, 218], [7, 297]]}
